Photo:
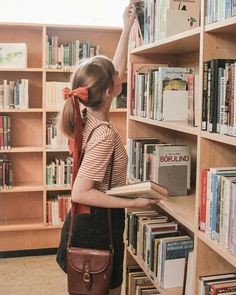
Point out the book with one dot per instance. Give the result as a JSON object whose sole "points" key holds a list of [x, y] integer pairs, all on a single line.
{"points": [[13, 55], [206, 280], [171, 260], [145, 189]]}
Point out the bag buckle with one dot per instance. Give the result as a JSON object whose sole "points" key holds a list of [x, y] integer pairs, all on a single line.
{"points": [[87, 277], [87, 280]]}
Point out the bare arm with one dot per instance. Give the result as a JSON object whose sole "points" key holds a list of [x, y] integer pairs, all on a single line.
{"points": [[120, 57], [83, 192]]}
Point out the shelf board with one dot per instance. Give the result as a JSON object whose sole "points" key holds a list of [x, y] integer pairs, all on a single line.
{"points": [[170, 291], [30, 187], [21, 69], [54, 110], [32, 110], [185, 42], [50, 189], [21, 224], [182, 209], [178, 126], [23, 150], [118, 110], [225, 26], [52, 150], [219, 137], [64, 70], [223, 252]]}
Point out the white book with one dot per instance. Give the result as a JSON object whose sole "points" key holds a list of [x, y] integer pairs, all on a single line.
{"points": [[175, 105]]}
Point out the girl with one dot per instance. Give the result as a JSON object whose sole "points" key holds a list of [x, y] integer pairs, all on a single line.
{"points": [[95, 82]]}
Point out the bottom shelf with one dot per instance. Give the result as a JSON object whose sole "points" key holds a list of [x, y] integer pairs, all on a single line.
{"points": [[172, 291]]}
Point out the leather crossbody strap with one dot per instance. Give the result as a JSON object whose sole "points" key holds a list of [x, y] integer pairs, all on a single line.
{"points": [[77, 206]]}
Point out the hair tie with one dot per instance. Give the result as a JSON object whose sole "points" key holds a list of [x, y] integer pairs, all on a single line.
{"points": [[80, 92]]}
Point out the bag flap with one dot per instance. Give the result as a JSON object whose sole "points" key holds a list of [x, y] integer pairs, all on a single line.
{"points": [[80, 259]]}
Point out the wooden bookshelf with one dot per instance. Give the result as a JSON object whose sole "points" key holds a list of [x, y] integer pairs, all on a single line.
{"points": [[190, 49], [23, 208]]}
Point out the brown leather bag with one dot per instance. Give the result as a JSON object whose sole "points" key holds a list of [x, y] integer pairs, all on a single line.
{"points": [[89, 270]]}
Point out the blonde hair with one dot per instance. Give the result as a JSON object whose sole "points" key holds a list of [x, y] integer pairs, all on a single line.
{"points": [[97, 74]]}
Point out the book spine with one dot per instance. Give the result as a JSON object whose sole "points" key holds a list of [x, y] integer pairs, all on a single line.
{"points": [[204, 178], [205, 96]]}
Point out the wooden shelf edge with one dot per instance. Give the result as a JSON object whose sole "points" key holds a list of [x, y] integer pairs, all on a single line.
{"points": [[220, 25], [231, 140], [118, 110], [33, 110], [23, 188], [167, 41], [182, 209], [220, 250], [49, 189], [28, 227], [21, 69], [177, 126], [171, 291], [23, 150]]}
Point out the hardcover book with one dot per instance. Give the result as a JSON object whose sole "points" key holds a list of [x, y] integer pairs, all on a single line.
{"points": [[13, 55], [145, 189]]}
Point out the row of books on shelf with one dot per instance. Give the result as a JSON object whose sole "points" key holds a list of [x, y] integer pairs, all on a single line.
{"points": [[219, 10], [54, 94], [216, 284], [55, 139], [57, 209], [60, 55], [59, 172], [164, 93], [161, 246], [155, 19], [5, 132], [219, 92], [6, 175], [218, 206], [137, 282], [14, 94], [169, 165]]}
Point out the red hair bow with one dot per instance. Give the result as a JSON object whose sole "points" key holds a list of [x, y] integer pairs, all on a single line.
{"points": [[80, 92]]}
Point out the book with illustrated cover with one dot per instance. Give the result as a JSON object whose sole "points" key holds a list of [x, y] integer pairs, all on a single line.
{"points": [[13, 55], [145, 189]]}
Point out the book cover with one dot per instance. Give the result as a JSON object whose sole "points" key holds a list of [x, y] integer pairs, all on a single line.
{"points": [[13, 55], [146, 189], [173, 168]]}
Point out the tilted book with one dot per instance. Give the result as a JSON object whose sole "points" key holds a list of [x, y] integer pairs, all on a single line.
{"points": [[145, 189]]}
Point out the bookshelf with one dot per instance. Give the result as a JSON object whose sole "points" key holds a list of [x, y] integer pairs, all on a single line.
{"points": [[23, 223], [190, 49]]}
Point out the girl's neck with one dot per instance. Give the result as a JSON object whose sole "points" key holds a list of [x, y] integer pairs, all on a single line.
{"points": [[100, 114]]}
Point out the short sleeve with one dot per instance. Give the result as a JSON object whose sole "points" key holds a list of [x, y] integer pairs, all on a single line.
{"points": [[97, 155]]}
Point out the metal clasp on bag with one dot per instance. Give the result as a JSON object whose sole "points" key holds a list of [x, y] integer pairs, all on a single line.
{"points": [[87, 277]]}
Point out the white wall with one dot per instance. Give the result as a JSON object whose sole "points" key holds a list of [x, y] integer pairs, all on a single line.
{"points": [[76, 12]]}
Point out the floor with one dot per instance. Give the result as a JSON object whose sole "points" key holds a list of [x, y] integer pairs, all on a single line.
{"points": [[35, 275]]}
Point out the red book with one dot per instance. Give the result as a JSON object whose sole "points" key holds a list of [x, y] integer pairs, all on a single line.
{"points": [[202, 212], [223, 288]]}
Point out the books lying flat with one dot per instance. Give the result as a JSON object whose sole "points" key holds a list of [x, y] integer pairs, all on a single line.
{"points": [[145, 189]]}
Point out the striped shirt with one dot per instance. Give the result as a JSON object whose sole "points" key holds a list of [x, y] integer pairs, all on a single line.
{"points": [[96, 162]]}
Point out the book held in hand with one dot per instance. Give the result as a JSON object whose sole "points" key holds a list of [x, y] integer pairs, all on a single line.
{"points": [[145, 189]]}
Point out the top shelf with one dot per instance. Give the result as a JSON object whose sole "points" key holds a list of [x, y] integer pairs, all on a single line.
{"points": [[225, 26], [188, 41]]}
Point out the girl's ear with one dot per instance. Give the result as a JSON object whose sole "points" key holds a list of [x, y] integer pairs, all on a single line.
{"points": [[108, 92]]}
